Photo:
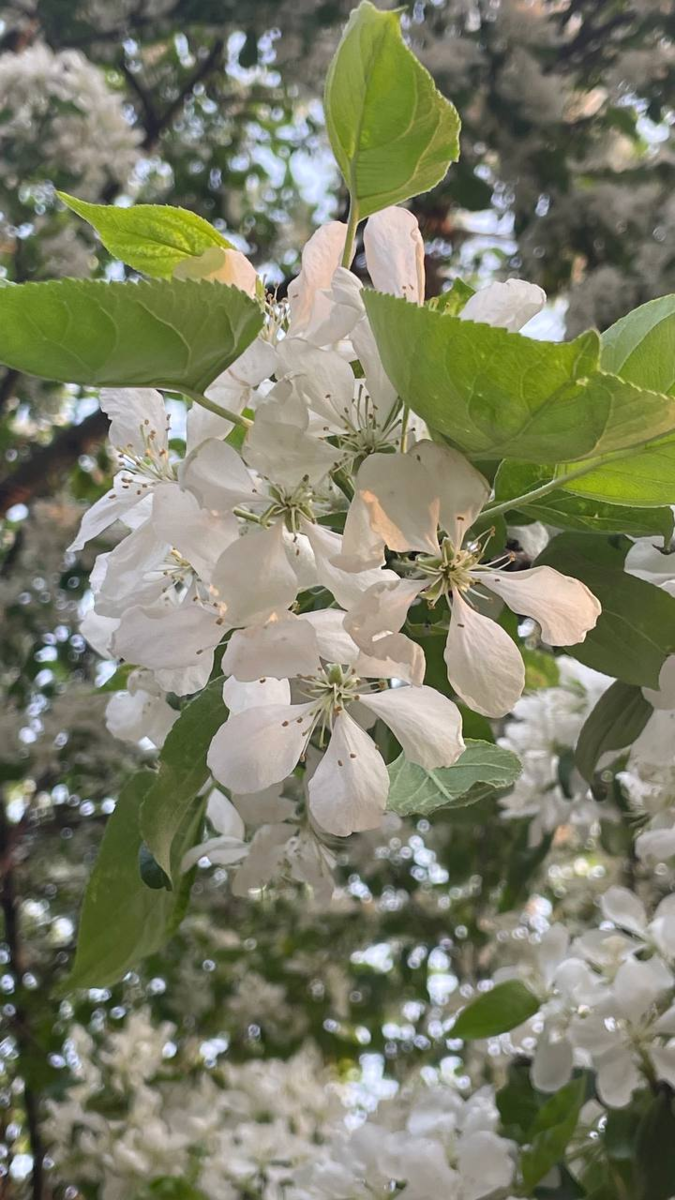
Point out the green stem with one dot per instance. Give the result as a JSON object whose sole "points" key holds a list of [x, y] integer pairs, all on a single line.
{"points": [[235, 418], [352, 223], [405, 417], [341, 479]]}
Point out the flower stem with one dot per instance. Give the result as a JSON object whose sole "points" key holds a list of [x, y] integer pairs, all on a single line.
{"points": [[352, 223], [235, 418]]}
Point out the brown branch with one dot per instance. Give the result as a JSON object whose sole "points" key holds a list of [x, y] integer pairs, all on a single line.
{"points": [[39, 471], [9, 905], [155, 123]]}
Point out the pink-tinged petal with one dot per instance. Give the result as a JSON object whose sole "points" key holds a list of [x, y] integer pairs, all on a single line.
{"points": [[564, 607], [461, 488], [362, 548], [346, 586], [137, 419], [239, 696], [427, 724], [508, 305], [348, 791], [395, 253], [402, 502], [215, 474], [320, 258], [259, 746], [281, 649], [253, 578], [484, 665]]}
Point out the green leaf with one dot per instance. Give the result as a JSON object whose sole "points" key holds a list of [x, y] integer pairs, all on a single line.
{"points": [[641, 346], [497, 394], [567, 511], [182, 773], [646, 477], [617, 719], [655, 1160], [518, 1102], [392, 132], [123, 920], [635, 632], [552, 1129], [497, 1011], [481, 769], [153, 238], [172, 335], [453, 300]]}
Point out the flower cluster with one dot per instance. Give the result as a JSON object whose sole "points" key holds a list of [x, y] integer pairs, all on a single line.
{"points": [[302, 559]]}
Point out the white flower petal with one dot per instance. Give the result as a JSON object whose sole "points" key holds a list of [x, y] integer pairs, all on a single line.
{"points": [[322, 378], [648, 561], [167, 638], [564, 607], [461, 488], [216, 475], [239, 696], [374, 623], [348, 791], [624, 908], [199, 535], [223, 815], [260, 746], [617, 1077], [663, 697], [484, 1163], [638, 985], [131, 717], [253, 578], [663, 1058], [108, 509], [484, 664], [347, 586], [427, 724], [395, 253], [137, 417], [334, 642], [221, 851], [509, 305], [281, 649], [552, 1065], [279, 447]]}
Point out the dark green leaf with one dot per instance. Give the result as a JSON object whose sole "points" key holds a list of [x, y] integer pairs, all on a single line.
{"points": [[169, 334], [552, 1129], [617, 719], [482, 768], [502, 1008], [636, 629], [655, 1153], [123, 920], [182, 773]]}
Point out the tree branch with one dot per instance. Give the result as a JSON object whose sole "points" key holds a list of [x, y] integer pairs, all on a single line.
{"points": [[36, 475], [9, 904]]}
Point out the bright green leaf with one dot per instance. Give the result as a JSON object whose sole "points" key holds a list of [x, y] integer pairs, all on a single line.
{"points": [[182, 772], [123, 920], [453, 300], [641, 346], [617, 719], [567, 511], [482, 768], [502, 1008], [635, 632], [392, 132], [173, 335], [553, 1127], [646, 477], [497, 394], [152, 238]]}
